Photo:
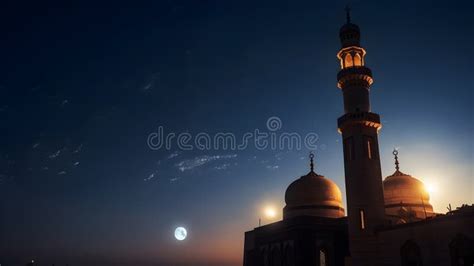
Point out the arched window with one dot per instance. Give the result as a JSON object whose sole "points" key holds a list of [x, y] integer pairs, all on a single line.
{"points": [[289, 256], [276, 257], [348, 60], [322, 258], [265, 257], [369, 147], [411, 254], [349, 149], [462, 251], [357, 60], [362, 219]]}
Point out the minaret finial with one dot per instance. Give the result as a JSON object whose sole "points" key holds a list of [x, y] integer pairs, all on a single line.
{"points": [[395, 152], [348, 14], [311, 161]]}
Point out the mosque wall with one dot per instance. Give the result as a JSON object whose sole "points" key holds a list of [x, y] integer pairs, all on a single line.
{"points": [[442, 241]]}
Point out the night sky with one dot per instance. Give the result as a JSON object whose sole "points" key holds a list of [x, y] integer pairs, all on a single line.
{"points": [[82, 88]]}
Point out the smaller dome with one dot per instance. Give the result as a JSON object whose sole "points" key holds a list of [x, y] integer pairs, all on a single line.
{"points": [[401, 187], [405, 195], [313, 195], [349, 27], [349, 35], [349, 32]]}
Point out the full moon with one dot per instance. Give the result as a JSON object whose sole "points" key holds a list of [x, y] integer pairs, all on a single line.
{"points": [[180, 233]]}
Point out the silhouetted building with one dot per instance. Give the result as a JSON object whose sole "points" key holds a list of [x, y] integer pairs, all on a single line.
{"points": [[387, 223], [313, 229]]}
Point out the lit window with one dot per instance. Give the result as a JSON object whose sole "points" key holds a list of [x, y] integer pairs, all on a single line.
{"points": [[362, 219], [322, 258], [369, 149], [348, 60], [357, 60]]}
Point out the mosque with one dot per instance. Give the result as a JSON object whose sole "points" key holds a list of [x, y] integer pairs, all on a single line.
{"points": [[389, 221]]}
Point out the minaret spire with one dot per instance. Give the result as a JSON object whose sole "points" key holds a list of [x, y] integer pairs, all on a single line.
{"points": [[311, 161], [348, 14]]}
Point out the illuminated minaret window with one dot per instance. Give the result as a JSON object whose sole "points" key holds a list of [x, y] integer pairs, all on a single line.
{"points": [[359, 128]]}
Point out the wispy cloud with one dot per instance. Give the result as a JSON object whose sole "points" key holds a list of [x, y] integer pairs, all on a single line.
{"points": [[279, 156], [172, 155], [147, 86], [222, 166], [172, 180], [54, 155], [150, 177], [78, 149], [273, 167], [151, 83], [201, 160]]}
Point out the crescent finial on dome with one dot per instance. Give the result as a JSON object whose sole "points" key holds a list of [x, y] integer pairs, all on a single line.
{"points": [[395, 153], [311, 161]]}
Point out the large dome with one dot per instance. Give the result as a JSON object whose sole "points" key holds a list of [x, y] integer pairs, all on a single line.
{"points": [[313, 195]]}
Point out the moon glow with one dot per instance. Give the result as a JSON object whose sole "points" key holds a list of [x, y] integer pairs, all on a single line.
{"points": [[180, 233], [270, 212]]}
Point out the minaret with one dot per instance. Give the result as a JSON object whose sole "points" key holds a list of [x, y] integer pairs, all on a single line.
{"points": [[359, 128]]}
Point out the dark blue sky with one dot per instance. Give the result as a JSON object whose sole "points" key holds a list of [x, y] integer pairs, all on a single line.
{"points": [[82, 87]]}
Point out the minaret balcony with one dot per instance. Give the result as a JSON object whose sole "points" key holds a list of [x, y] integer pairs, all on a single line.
{"points": [[357, 74], [366, 118]]}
